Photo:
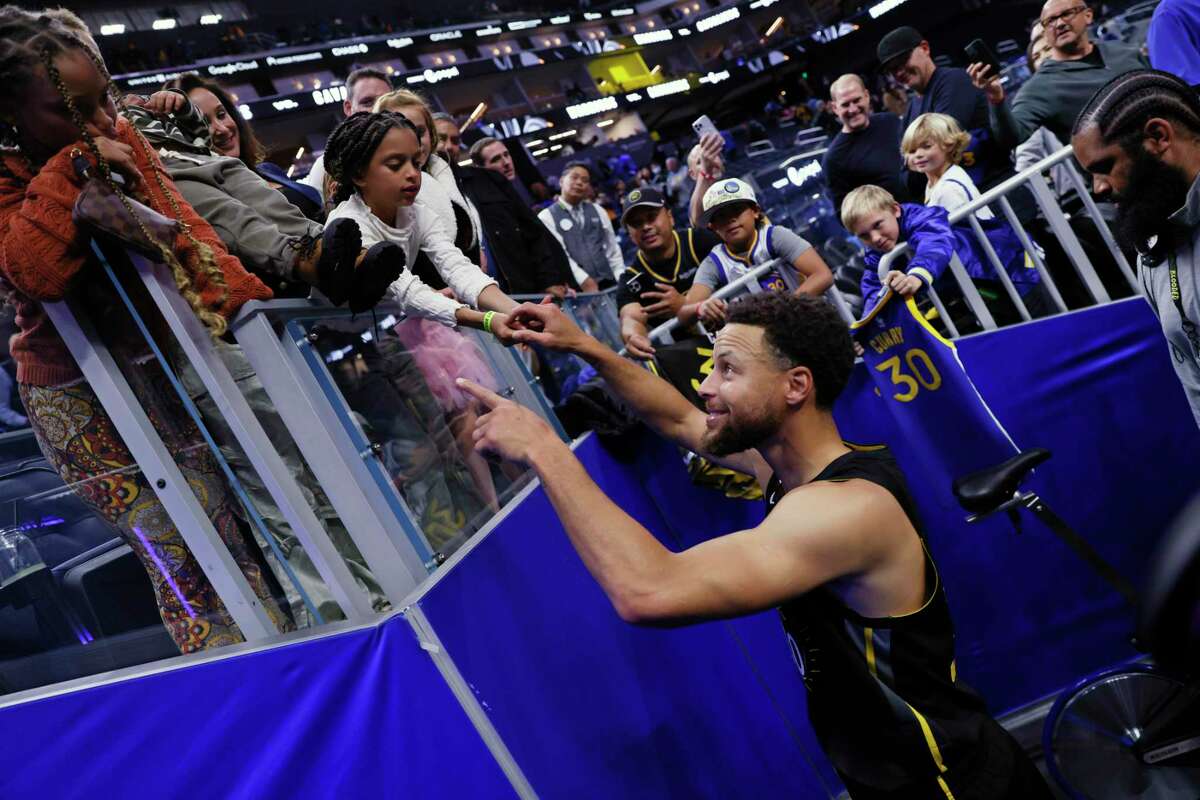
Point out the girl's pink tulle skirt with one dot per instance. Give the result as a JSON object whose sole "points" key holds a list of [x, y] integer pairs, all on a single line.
{"points": [[444, 355]]}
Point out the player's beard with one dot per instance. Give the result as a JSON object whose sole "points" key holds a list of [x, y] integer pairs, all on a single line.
{"points": [[738, 435], [1156, 190]]}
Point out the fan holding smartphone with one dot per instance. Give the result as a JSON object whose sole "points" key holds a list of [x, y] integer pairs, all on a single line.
{"points": [[705, 163], [905, 55]]}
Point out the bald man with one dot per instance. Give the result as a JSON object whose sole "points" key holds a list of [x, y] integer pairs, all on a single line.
{"points": [[867, 149]]}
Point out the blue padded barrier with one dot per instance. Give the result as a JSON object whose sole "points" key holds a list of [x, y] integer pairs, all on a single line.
{"points": [[361, 714], [592, 707]]}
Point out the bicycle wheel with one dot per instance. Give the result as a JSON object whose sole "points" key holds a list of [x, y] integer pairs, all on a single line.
{"points": [[1091, 735]]}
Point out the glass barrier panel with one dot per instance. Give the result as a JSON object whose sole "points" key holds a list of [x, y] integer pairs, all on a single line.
{"points": [[95, 577], [309, 596], [174, 395], [598, 315], [409, 419]]}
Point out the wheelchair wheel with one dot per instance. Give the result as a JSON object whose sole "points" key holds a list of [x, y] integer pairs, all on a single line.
{"points": [[1092, 735]]}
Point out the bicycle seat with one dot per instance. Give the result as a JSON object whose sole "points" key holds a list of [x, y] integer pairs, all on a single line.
{"points": [[988, 489]]}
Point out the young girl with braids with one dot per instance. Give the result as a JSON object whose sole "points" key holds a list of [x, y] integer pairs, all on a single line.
{"points": [[444, 355], [376, 161], [57, 110]]}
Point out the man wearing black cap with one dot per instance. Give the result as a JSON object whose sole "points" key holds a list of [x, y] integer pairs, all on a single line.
{"points": [[904, 55], [652, 288]]}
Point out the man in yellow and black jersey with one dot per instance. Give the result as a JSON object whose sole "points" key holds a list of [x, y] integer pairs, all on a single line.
{"points": [[652, 288], [841, 553]]}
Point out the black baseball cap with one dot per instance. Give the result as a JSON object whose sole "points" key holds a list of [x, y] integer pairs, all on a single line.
{"points": [[639, 198], [899, 42]]}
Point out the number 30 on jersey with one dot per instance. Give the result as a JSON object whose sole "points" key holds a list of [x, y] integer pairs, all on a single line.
{"points": [[911, 373]]}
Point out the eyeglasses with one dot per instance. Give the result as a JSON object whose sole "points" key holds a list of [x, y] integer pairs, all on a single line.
{"points": [[1064, 16]]}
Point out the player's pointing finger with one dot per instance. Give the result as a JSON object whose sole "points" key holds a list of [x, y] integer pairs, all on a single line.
{"points": [[485, 396]]}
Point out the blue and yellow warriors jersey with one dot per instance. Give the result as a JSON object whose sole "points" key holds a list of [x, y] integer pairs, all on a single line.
{"points": [[732, 267], [936, 408]]}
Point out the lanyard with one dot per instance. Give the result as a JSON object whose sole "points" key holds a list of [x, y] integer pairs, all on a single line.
{"points": [[1189, 327]]}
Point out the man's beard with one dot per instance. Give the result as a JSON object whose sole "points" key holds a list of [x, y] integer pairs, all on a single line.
{"points": [[1156, 191], [736, 437]]}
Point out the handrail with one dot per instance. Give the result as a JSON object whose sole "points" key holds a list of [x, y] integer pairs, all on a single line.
{"points": [[725, 291], [987, 198]]}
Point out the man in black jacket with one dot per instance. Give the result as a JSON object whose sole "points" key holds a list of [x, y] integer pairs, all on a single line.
{"points": [[867, 149], [905, 55], [524, 256]]}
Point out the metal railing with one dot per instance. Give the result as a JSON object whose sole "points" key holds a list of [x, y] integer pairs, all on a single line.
{"points": [[1060, 227], [749, 284]]}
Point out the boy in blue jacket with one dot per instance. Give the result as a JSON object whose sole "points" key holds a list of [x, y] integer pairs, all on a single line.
{"points": [[873, 215]]}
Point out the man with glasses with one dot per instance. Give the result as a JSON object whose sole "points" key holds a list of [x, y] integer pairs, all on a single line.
{"points": [[1074, 70]]}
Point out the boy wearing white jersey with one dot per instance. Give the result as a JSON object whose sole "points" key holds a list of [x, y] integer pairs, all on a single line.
{"points": [[731, 211]]}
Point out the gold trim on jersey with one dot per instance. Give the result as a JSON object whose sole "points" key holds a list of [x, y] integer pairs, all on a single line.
{"points": [[930, 742], [749, 251], [678, 260], [864, 448], [692, 244], [869, 650], [883, 301], [919, 317]]}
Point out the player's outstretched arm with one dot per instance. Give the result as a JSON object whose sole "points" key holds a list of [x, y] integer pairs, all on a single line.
{"points": [[656, 402], [816, 534]]}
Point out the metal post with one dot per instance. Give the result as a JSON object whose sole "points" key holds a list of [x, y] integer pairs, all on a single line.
{"points": [[170, 486], [1066, 237], [943, 313], [1033, 252], [1102, 226], [1001, 272], [276, 477], [341, 469], [837, 301], [971, 294]]}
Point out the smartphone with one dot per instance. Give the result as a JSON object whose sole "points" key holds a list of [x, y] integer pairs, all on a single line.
{"points": [[640, 283], [704, 126], [979, 53]]}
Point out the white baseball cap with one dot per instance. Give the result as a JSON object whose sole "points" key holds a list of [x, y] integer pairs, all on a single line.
{"points": [[724, 192]]}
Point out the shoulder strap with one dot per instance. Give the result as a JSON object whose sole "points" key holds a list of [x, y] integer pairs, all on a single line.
{"points": [[961, 185], [769, 243]]}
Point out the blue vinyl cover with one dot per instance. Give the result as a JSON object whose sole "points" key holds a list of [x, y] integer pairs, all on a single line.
{"points": [[361, 714]]}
